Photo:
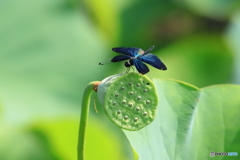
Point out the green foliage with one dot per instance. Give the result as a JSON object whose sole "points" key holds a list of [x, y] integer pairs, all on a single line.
{"points": [[50, 50], [196, 57], [233, 34]]}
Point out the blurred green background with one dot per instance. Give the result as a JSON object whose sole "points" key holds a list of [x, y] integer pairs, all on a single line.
{"points": [[50, 50]]}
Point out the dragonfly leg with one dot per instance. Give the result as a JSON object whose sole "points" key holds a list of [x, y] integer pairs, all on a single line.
{"points": [[128, 68], [133, 68]]}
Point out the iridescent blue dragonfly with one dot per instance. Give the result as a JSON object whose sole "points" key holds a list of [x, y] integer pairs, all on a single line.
{"points": [[136, 57]]}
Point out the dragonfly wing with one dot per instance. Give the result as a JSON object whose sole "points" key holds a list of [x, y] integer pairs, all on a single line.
{"points": [[141, 67], [153, 60], [130, 51], [120, 58]]}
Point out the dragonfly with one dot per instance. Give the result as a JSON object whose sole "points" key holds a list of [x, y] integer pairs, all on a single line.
{"points": [[137, 57]]}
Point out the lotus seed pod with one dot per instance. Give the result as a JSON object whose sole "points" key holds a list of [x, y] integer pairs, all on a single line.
{"points": [[130, 100]]}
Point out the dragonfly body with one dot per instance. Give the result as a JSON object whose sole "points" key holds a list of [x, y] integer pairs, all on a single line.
{"points": [[136, 57]]}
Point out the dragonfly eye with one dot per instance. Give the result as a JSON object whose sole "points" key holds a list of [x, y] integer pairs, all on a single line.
{"points": [[127, 64]]}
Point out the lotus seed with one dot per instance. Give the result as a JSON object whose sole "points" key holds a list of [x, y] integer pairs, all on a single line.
{"points": [[145, 90], [135, 119], [114, 103], [130, 104], [145, 113], [116, 95], [124, 101], [138, 84], [147, 101], [139, 97], [138, 108], [131, 93], [125, 117], [122, 88], [119, 111]]}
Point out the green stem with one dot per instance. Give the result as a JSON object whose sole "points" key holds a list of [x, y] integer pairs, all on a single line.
{"points": [[83, 120]]}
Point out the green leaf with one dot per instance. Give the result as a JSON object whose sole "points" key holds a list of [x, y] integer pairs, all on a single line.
{"points": [[190, 123]]}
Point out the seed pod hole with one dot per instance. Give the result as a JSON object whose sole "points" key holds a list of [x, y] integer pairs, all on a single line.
{"points": [[117, 94], [131, 92], [124, 102], [139, 97], [114, 103], [146, 83], [135, 119], [145, 90], [130, 104], [130, 83], [137, 108], [126, 117], [119, 111], [122, 88], [138, 84], [145, 113], [147, 101]]}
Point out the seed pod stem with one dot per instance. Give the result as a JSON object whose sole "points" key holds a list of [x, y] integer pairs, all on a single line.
{"points": [[84, 117]]}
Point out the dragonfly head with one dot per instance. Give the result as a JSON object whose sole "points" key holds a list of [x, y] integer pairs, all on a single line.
{"points": [[129, 63]]}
